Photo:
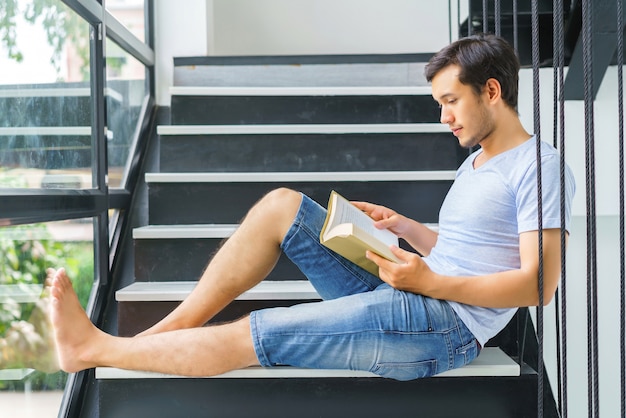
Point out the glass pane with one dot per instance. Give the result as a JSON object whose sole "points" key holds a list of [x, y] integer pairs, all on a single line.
{"points": [[29, 382], [45, 104], [131, 14], [126, 90]]}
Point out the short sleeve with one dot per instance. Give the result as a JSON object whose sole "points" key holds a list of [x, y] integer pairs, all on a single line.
{"points": [[526, 196]]}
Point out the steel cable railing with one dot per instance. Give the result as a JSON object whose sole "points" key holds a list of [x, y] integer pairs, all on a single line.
{"points": [[498, 17], [620, 137], [515, 27], [485, 17], [470, 18], [537, 132], [563, 14], [559, 139], [593, 407]]}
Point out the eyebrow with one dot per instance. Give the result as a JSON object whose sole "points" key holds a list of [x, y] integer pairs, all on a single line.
{"points": [[443, 97]]}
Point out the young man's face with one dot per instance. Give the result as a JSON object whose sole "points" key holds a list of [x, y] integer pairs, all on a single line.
{"points": [[462, 109]]}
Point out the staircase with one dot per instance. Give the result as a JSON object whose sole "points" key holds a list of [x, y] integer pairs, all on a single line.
{"points": [[365, 126]]}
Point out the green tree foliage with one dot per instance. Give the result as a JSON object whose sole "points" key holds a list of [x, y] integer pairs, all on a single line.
{"points": [[27, 252], [60, 25]]}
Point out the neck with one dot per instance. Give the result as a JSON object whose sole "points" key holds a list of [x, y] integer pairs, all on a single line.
{"points": [[509, 133]]}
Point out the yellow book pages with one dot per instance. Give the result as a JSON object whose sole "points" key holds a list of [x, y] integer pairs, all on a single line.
{"points": [[350, 232]]}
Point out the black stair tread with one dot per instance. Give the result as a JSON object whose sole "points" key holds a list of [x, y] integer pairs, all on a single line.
{"points": [[308, 147], [174, 200], [492, 361], [178, 291], [281, 105]]}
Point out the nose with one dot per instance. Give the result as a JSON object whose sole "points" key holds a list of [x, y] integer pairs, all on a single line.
{"points": [[446, 116]]}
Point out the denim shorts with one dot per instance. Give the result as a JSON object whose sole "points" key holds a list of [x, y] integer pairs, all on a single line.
{"points": [[362, 323]]}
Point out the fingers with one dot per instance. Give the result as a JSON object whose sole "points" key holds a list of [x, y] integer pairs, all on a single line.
{"points": [[371, 208], [402, 254], [364, 207]]}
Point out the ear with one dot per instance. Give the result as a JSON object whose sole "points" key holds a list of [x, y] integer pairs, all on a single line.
{"points": [[493, 90]]}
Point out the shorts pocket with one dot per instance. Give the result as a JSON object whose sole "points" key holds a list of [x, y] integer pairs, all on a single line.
{"points": [[406, 370], [468, 352]]}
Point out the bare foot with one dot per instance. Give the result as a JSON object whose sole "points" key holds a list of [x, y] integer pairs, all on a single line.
{"points": [[75, 336]]}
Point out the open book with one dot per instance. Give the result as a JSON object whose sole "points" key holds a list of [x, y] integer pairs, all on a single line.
{"points": [[350, 232]]}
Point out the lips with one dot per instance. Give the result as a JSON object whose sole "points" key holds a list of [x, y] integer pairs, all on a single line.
{"points": [[455, 131]]}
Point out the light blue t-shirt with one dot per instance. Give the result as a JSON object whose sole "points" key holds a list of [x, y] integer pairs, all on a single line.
{"points": [[483, 214]]}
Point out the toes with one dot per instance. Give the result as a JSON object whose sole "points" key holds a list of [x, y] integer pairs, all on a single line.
{"points": [[61, 275]]}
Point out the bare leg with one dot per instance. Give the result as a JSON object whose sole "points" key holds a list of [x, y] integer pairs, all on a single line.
{"points": [[246, 258], [191, 352], [176, 345]]}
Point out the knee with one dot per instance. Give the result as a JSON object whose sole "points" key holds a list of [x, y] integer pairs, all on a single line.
{"points": [[282, 202], [278, 208]]}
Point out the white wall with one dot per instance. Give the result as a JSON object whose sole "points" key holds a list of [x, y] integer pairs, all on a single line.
{"points": [[288, 27], [181, 30]]}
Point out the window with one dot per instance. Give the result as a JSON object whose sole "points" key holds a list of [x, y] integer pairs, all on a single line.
{"points": [[28, 376]]}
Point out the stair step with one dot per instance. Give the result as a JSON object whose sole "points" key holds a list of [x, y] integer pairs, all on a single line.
{"points": [[143, 304], [368, 176], [195, 231], [313, 148], [300, 105], [273, 71], [225, 198], [178, 291], [360, 128], [492, 361], [184, 231], [195, 245], [493, 397], [301, 91]]}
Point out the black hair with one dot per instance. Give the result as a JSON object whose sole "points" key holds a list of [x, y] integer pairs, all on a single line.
{"points": [[481, 57]]}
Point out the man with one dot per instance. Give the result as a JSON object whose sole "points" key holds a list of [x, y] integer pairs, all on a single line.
{"points": [[480, 266]]}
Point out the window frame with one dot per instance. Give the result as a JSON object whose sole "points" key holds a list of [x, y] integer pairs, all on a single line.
{"points": [[25, 206]]}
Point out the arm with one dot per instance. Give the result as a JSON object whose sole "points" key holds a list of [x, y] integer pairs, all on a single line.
{"points": [[507, 289], [418, 236]]}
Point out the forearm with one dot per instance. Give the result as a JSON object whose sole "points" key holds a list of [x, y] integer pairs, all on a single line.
{"points": [[508, 289]]}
